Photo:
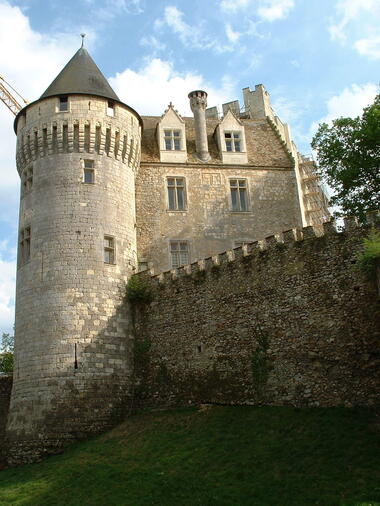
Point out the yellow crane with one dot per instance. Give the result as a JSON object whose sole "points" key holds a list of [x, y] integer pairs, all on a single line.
{"points": [[7, 97]]}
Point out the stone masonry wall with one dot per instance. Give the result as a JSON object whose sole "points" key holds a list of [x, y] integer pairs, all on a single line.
{"points": [[293, 322], [5, 396]]}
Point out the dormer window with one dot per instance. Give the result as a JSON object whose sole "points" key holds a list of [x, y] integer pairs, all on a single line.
{"points": [[172, 140], [110, 108], [171, 137], [63, 104], [233, 141]]}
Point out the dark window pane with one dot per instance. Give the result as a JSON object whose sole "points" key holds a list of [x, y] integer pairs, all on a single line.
{"points": [[242, 183], [168, 144], [227, 135], [180, 198], [176, 133], [243, 200], [88, 176], [171, 197], [177, 144], [228, 145], [63, 104], [234, 199], [237, 145]]}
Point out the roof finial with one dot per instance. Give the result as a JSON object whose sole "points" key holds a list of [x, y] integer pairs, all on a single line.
{"points": [[83, 35]]}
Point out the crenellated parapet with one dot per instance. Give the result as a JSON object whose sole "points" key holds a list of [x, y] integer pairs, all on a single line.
{"points": [[276, 242]]}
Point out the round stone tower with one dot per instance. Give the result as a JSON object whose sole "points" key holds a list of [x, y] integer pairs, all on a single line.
{"points": [[78, 148]]}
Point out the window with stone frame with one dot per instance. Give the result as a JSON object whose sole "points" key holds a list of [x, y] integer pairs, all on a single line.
{"points": [[176, 193], [63, 104], [239, 195], [110, 108], [233, 141], [172, 139], [88, 171], [179, 253], [26, 180], [25, 237], [109, 249]]}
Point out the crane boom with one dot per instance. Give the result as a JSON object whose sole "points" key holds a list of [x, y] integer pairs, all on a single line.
{"points": [[7, 97]]}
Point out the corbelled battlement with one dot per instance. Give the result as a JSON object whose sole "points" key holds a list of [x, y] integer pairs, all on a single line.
{"points": [[84, 128], [77, 137]]}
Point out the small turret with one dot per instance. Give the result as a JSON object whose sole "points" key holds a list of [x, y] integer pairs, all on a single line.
{"points": [[198, 104]]}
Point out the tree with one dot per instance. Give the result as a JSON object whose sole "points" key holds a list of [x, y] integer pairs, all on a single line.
{"points": [[6, 357], [348, 155]]}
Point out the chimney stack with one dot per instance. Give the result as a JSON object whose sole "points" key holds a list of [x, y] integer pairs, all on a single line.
{"points": [[198, 104]]}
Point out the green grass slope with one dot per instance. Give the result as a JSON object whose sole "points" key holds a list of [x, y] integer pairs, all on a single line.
{"points": [[213, 456]]}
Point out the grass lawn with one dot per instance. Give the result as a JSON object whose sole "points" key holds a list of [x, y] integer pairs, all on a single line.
{"points": [[275, 456]]}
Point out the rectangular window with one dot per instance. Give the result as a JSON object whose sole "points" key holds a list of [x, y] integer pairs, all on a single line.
{"points": [[27, 180], [109, 249], [172, 140], [25, 237], [179, 253], [63, 104], [233, 141], [176, 193], [239, 197], [110, 108], [88, 172]]}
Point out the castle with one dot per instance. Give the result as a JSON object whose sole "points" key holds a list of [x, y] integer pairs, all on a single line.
{"points": [[105, 194]]}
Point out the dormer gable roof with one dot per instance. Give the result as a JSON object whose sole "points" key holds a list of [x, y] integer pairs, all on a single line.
{"points": [[171, 114], [230, 116]]}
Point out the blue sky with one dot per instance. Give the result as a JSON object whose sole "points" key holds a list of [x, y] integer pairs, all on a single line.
{"points": [[319, 59]]}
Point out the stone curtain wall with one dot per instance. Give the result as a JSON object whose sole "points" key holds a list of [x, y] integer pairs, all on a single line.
{"points": [[294, 323], [5, 395]]}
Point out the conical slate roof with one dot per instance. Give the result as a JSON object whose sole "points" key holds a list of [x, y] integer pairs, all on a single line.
{"points": [[81, 76]]}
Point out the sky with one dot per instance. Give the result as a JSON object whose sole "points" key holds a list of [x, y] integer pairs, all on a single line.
{"points": [[319, 60]]}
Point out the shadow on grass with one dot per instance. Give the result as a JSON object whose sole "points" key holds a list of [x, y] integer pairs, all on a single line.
{"points": [[217, 456]]}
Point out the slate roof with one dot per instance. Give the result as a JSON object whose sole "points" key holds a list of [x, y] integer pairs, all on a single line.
{"points": [[81, 76]]}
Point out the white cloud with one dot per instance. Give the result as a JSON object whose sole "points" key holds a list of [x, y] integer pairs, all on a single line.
{"points": [[232, 36], [348, 103], [271, 10], [153, 43], [369, 46], [234, 5], [192, 36], [150, 89], [351, 11]]}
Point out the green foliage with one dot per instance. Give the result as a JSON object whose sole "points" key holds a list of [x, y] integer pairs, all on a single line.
{"points": [[139, 291], [236, 455], [6, 358], [348, 156], [7, 342], [371, 254], [6, 362]]}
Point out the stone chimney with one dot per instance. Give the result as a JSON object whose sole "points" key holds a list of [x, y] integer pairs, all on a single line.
{"points": [[198, 104]]}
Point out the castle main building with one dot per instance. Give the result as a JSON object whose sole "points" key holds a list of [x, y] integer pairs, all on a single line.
{"points": [[106, 193]]}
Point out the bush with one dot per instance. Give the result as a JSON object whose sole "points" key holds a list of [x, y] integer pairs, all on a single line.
{"points": [[6, 362], [371, 254], [138, 291]]}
